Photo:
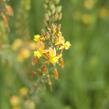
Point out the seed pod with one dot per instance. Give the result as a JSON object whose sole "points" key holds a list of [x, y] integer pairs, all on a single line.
{"points": [[33, 75], [56, 74], [5, 20], [62, 63], [44, 69], [39, 73], [49, 80], [8, 10], [34, 60]]}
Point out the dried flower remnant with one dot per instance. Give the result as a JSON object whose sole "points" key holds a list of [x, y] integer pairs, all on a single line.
{"points": [[56, 74], [50, 44], [5, 11], [44, 69]]}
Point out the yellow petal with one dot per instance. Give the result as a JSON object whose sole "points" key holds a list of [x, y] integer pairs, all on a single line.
{"points": [[53, 60], [60, 40], [37, 38], [67, 45], [52, 52], [37, 54]]}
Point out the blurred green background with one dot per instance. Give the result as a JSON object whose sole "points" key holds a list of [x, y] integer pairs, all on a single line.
{"points": [[83, 83]]}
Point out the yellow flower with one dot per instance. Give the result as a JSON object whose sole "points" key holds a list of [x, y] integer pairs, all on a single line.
{"points": [[52, 56], [103, 13], [37, 54], [87, 19], [66, 45], [40, 49], [89, 4], [23, 54], [40, 46], [23, 91], [32, 45], [53, 60], [60, 40], [37, 38], [52, 52], [15, 101], [17, 44]]}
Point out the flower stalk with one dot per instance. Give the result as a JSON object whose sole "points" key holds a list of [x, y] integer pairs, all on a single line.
{"points": [[50, 44]]}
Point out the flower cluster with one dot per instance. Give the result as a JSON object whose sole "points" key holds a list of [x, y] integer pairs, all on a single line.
{"points": [[23, 49], [50, 44], [49, 51], [22, 100]]}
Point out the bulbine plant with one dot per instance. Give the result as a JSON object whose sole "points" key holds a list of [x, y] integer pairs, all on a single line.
{"points": [[50, 44]]}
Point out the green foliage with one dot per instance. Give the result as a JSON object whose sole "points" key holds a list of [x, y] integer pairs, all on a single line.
{"points": [[83, 83]]}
